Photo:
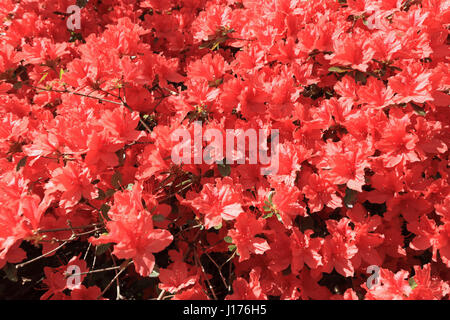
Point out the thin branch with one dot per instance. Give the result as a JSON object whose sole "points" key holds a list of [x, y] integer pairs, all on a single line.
{"points": [[95, 257], [219, 269], [197, 259], [121, 103], [41, 256], [125, 104], [73, 237], [189, 228], [79, 94], [68, 229], [96, 271], [173, 194], [87, 251], [229, 259], [118, 295], [193, 244], [114, 279], [161, 295]]}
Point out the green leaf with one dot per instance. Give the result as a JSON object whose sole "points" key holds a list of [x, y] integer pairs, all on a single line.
{"points": [[61, 72], [218, 227], [21, 163], [270, 214], [155, 272], [228, 239], [158, 218], [43, 77], [232, 247], [337, 69], [224, 169], [215, 83], [412, 283], [271, 193], [102, 248], [129, 186], [11, 272], [279, 217], [419, 110], [215, 46]]}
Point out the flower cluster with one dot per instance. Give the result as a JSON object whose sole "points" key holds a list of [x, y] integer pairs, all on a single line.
{"points": [[357, 89]]}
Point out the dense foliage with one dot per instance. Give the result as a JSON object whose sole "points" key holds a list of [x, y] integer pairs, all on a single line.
{"points": [[359, 91]]}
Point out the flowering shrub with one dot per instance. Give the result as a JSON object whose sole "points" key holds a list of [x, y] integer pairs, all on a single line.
{"points": [[358, 91]]}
